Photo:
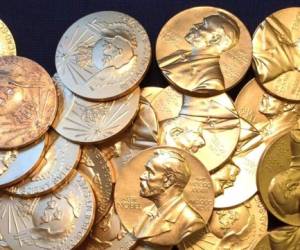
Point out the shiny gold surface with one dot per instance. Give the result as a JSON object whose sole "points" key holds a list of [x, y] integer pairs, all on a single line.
{"points": [[239, 173], [60, 159], [28, 101], [150, 93], [204, 50], [279, 177], [206, 127], [164, 194], [236, 228], [7, 43], [98, 172], [60, 220], [263, 244], [89, 122], [103, 55], [29, 158], [141, 135], [270, 116], [276, 54]]}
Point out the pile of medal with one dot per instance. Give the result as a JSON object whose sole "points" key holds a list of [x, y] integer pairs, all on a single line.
{"points": [[90, 161]]}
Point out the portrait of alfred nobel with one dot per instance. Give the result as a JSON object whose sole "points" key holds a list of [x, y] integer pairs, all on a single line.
{"points": [[198, 69], [170, 218]]}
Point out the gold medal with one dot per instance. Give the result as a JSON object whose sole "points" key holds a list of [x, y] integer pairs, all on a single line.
{"points": [[28, 101], [103, 56], [29, 158], [84, 121], [271, 116], [203, 51], [278, 178], [239, 173], [7, 43], [60, 220], [276, 54], [235, 228], [208, 128], [60, 159], [264, 243], [98, 172], [164, 194]]}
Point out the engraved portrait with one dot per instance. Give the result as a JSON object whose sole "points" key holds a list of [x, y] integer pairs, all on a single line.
{"points": [[276, 50], [200, 126], [111, 54], [198, 69], [281, 115], [284, 188], [170, 218]]}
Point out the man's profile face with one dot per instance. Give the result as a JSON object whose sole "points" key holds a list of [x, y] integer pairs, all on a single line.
{"points": [[152, 180], [270, 106], [187, 135]]}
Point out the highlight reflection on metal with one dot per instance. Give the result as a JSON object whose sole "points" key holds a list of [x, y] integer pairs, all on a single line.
{"points": [[60, 220], [103, 55], [279, 178], [28, 157], [173, 187], [7, 43], [28, 101], [87, 122], [191, 45], [239, 173], [235, 228], [276, 54], [206, 127], [57, 165]]}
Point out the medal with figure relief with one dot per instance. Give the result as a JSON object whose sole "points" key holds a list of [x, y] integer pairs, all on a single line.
{"points": [[164, 194], [278, 178], [15, 165], [60, 220], [7, 43], [235, 228], [28, 101], [270, 115], [57, 165], [204, 51], [207, 127], [84, 121], [276, 54], [103, 56]]}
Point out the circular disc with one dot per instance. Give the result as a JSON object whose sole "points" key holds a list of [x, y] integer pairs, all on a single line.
{"points": [[103, 56], [98, 172], [150, 93], [28, 101], [60, 220], [7, 43], [235, 228], [203, 51], [17, 164], [58, 164], [278, 177], [239, 173], [84, 121], [141, 180], [208, 128], [276, 54]]}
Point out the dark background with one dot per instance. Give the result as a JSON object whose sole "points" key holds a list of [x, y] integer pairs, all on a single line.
{"points": [[37, 25]]}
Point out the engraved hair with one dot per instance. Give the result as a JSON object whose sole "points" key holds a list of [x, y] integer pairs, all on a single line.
{"points": [[175, 167]]}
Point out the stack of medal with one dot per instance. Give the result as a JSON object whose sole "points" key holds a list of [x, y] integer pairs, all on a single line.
{"points": [[128, 169]]}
